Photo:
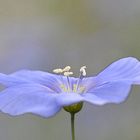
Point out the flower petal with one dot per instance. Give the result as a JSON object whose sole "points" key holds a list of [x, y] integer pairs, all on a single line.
{"points": [[7, 80], [123, 69], [26, 76], [112, 92], [126, 69], [29, 98], [65, 99]]}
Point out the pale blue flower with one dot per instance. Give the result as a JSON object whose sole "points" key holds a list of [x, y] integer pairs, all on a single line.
{"points": [[46, 94]]}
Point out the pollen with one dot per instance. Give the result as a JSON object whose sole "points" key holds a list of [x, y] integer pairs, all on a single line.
{"points": [[67, 69], [68, 73], [58, 71]]}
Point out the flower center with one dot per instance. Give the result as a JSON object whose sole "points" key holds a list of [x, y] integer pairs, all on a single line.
{"points": [[67, 87], [74, 88]]}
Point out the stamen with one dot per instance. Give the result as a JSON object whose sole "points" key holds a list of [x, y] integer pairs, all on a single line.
{"points": [[82, 74], [83, 70], [67, 69], [68, 73], [68, 87], [58, 71]]}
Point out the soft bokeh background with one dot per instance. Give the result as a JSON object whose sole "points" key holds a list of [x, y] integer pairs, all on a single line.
{"points": [[46, 34]]}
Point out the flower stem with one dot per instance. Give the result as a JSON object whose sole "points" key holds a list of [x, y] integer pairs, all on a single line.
{"points": [[72, 126]]}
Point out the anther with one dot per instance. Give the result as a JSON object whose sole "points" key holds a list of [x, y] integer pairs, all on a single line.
{"points": [[67, 69], [68, 73], [58, 71], [83, 70]]}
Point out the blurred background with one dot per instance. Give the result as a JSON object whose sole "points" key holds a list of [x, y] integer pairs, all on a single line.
{"points": [[47, 34]]}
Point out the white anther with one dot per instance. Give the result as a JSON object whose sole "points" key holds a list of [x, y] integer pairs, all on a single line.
{"points": [[83, 70], [83, 67], [67, 69], [68, 73], [57, 70]]}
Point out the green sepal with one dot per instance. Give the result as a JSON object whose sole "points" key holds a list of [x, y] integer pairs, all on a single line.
{"points": [[74, 108]]}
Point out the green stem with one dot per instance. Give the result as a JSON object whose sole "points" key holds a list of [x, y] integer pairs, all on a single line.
{"points": [[72, 126]]}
